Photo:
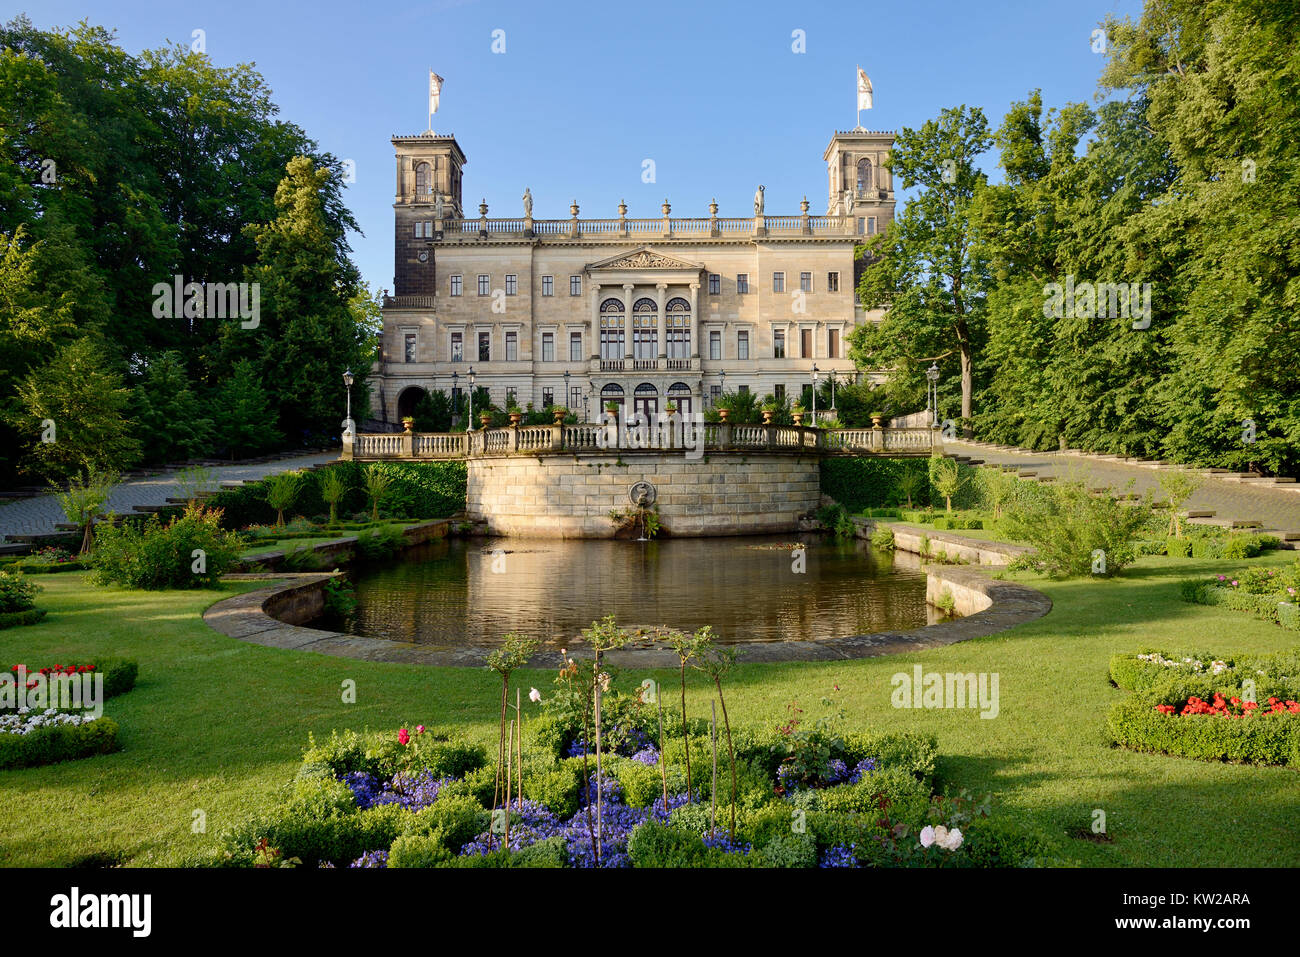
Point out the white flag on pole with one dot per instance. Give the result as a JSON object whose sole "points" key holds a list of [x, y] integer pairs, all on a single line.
{"points": [[435, 90], [864, 90]]}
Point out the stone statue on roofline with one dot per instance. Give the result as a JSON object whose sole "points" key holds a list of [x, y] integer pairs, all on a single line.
{"points": [[528, 203], [758, 202]]}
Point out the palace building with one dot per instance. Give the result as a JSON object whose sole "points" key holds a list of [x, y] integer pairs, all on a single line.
{"points": [[581, 312]]}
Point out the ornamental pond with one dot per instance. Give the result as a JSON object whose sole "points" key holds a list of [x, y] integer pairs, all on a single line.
{"points": [[469, 592]]}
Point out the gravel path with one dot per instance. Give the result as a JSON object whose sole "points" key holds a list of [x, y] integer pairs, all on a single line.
{"points": [[37, 515], [1276, 508]]}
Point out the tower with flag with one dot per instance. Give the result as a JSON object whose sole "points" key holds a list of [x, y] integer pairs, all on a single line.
{"points": [[864, 94], [435, 91]]}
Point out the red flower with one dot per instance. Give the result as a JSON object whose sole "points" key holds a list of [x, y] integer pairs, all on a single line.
{"points": [[403, 737]]}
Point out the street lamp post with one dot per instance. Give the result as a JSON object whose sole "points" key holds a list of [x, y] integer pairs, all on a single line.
{"points": [[722, 383], [566, 388], [834, 412], [815, 371], [348, 424], [471, 398], [932, 393]]}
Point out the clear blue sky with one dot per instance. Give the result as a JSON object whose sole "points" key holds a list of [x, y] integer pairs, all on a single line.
{"points": [[584, 92]]}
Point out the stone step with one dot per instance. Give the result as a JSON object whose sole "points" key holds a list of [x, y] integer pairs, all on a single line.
{"points": [[1199, 513], [1228, 523]]}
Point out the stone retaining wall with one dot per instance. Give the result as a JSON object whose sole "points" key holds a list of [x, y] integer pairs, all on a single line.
{"points": [[973, 551], [723, 493]]}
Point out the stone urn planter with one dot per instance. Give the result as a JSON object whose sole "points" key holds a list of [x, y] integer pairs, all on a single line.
{"points": [[516, 418], [767, 416], [798, 417], [485, 419], [408, 423], [876, 419], [723, 414], [559, 415]]}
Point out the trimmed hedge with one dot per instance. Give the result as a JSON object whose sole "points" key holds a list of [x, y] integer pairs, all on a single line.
{"points": [[1261, 738], [119, 674], [870, 482], [420, 490], [58, 742], [13, 619]]}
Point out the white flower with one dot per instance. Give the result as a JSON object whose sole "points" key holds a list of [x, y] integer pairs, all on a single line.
{"points": [[534, 696], [948, 840]]}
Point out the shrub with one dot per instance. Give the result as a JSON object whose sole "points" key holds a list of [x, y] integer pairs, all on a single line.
{"points": [[455, 820], [653, 844], [376, 544], [282, 491], [419, 850], [787, 849], [1178, 547], [153, 555], [15, 619], [17, 592], [51, 743], [558, 789], [1262, 739], [882, 537], [1067, 526]]}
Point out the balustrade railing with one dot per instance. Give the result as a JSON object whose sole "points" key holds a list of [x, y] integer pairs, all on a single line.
{"points": [[470, 227], [670, 432]]}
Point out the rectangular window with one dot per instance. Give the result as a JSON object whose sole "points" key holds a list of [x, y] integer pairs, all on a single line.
{"points": [[779, 393], [862, 225], [419, 230], [457, 347], [742, 283], [778, 282], [743, 389], [512, 346], [484, 285], [575, 285], [548, 398], [778, 343], [575, 398], [512, 396], [456, 284], [805, 282], [512, 284], [715, 345], [833, 344], [715, 393], [409, 347], [485, 347], [715, 284], [742, 345], [548, 347], [548, 285], [806, 343], [575, 347], [871, 225], [832, 282]]}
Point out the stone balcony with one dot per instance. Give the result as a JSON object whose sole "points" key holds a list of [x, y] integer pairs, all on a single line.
{"points": [[624, 229]]}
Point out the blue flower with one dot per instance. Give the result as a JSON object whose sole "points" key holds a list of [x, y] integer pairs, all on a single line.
{"points": [[838, 856]]}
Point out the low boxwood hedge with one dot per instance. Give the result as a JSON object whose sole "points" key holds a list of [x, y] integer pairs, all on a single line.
{"points": [[1171, 678], [58, 742], [13, 619]]}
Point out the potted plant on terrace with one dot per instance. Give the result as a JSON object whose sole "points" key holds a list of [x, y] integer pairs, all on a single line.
{"points": [[876, 419], [485, 419], [408, 423], [770, 408], [516, 414], [559, 412], [797, 412]]}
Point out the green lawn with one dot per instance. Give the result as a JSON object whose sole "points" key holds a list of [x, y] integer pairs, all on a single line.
{"points": [[218, 725]]}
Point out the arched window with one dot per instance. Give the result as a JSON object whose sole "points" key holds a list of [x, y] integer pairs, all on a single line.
{"points": [[645, 329], [680, 393], [677, 322], [864, 174], [613, 392], [646, 400], [611, 329], [423, 179]]}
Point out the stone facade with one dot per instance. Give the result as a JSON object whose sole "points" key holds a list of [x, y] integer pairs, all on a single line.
{"points": [[723, 494], [634, 310]]}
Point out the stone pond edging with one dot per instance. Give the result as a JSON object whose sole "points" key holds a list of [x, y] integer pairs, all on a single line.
{"points": [[343, 548], [975, 551], [269, 616]]}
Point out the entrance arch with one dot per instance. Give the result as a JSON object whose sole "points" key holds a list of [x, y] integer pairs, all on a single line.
{"points": [[613, 392], [407, 400], [680, 393]]}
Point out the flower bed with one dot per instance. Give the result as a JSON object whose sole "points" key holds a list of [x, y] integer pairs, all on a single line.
{"points": [[1202, 706], [1267, 593], [29, 738], [421, 797], [119, 673]]}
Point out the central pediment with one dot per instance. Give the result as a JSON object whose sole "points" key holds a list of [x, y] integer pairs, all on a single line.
{"points": [[645, 258]]}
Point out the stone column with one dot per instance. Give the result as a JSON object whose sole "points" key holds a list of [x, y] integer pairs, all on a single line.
{"points": [[628, 299], [661, 324], [695, 321], [595, 320]]}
